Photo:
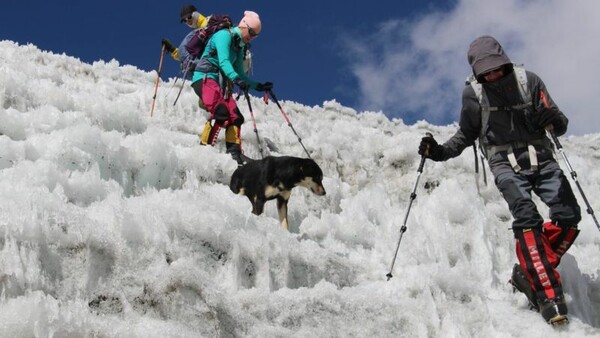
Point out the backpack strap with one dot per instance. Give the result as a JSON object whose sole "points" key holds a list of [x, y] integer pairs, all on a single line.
{"points": [[486, 109], [483, 102], [206, 66], [521, 76], [510, 153]]}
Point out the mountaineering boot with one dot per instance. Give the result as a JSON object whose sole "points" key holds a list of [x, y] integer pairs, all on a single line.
{"points": [[554, 310], [235, 150], [520, 282]]}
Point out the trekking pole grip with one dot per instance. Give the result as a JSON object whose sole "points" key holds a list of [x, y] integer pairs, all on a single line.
{"points": [[423, 158], [272, 95], [247, 96], [270, 91], [555, 139], [562, 152]]}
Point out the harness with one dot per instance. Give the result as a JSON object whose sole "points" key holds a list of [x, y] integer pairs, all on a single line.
{"points": [[490, 150]]}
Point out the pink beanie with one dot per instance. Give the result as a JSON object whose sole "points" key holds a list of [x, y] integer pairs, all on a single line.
{"points": [[252, 20]]}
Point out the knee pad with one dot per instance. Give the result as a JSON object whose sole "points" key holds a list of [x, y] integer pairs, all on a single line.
{"points": [[221, 114], [239, 120]]}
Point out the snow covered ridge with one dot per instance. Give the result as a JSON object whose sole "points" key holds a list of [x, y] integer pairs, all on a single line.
{"points": [[115, 224]]}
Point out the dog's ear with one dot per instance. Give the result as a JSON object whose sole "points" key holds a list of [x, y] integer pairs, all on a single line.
{"points": [[305, 165], [311, 168]]}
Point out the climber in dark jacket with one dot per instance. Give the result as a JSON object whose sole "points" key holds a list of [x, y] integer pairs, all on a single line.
{"points": [[509, 110]]}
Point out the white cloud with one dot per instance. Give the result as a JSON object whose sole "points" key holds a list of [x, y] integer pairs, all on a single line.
{"points": [[415, 68]]}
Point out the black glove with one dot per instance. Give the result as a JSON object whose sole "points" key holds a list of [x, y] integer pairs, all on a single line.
{"points": [[243, 85], [548, 116], [431, 149], [168, 45], [264, 87]]}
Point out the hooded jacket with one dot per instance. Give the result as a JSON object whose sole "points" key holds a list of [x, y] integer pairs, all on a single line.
{"points": [[509, 126]]}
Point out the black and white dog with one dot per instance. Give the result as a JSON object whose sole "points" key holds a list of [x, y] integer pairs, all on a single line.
{"points": [[274, 178]]}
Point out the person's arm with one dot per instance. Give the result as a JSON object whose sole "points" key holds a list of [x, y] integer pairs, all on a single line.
{"points": [[546, 111], [469, 125], [169, 48], [222, 42]]}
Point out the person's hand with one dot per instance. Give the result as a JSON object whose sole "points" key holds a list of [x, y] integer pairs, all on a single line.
{"points": [[431, 149], [264, 87], [548, 116], [243, 85], [168, 45]]}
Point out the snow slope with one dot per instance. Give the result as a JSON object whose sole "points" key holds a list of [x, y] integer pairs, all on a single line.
{"points": [[117, 224]]}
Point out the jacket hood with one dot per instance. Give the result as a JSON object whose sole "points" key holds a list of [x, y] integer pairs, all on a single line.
{"points": [[485, 54]]}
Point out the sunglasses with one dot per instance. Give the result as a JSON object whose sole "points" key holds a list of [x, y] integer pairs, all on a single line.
{"points": [[189, 17], [251, 31]]}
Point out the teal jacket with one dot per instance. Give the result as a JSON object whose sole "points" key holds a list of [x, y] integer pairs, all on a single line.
{"points": [[224, 52]]}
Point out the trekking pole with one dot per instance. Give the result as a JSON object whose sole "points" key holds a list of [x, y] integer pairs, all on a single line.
{"points": [[181, 75], [185, 73], [171, 88], [254, 123], [162, 54], [288, 122], [571, 171], [413, 195], [574, 176], [476, 168], [483, 168]]}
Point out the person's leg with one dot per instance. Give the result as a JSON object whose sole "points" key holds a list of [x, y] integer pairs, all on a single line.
{"points": [[534, 253], [212, 98], [554, 189], [233, 137]]}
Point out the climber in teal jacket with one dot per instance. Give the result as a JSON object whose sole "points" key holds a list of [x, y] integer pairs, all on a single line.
{"points": [[221, 66]]}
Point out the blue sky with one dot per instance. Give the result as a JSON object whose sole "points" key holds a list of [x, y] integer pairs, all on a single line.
{"points": [[405, 58], [300, 47]]}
